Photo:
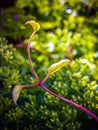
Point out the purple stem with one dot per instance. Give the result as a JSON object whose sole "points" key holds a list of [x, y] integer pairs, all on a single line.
{"points": [[32, 68], [20, 46], [70, 102], [30, 85], [47, 76], [52, 93], [38, 51]]}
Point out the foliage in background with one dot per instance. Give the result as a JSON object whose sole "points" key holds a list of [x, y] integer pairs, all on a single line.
{"points": [[68, 30]]}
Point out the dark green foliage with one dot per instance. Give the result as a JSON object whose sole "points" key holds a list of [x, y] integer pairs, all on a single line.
{"points": [[7, 63], [72, 35]]}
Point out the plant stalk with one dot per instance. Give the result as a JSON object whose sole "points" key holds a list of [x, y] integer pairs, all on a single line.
{"points": [[70, 102], [30, 61], [29, 85]]}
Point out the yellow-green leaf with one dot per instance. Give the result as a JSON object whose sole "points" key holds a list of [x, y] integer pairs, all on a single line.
{"points": [[16, 92], [55, 67], [34, 24]]}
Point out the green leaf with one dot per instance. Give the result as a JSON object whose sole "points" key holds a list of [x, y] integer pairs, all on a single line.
{"points": [[55, 67], [34, 24], [16, 92]]}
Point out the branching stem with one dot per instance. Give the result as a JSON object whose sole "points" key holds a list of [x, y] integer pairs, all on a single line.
{"points": [[30, 85], [29, 57], [41, 84]]}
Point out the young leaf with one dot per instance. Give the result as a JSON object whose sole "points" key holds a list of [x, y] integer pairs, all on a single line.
{"points": [[16, 92], [34, 24], [55, 67]]}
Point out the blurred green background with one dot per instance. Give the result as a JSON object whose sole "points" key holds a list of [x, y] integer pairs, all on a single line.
{"points": [[69, 29]]}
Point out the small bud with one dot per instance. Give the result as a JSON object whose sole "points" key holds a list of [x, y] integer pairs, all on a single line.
{"points": [[55, 67], [16, 92]]}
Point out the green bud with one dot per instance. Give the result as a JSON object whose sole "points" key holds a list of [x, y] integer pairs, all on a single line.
{"points": [[55, 67], [34, 24]]}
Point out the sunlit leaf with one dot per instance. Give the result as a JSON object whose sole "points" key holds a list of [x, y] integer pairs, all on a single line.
{"points": [[55, 67], [16, 92], [34, 24]]}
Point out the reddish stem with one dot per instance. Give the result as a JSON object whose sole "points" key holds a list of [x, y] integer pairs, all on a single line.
{"points": [[47, 76], [30, 85], [32, 68], [38, 51], [70, 102], [52, 93]]}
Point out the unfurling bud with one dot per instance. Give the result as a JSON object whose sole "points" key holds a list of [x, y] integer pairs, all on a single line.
{"points": [[55, 67], [34, 24]]}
